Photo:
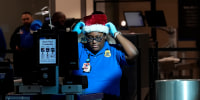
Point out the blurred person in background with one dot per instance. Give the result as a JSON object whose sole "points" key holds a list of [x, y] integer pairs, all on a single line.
{"points": [[21, 44], [22, 37], [2, 45], [59, 22]]}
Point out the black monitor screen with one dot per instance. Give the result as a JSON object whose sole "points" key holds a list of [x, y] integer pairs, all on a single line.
{"points": [[155, 18], [68, 51], [47, 51], [134, 19]]}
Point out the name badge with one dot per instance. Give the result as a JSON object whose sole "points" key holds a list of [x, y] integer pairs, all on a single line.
{"points": [[86, 67]]}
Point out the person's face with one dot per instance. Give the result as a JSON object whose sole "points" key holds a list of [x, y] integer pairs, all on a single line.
{"points": [[59, 19], [26, 19], [62, 19], [96, 41]]}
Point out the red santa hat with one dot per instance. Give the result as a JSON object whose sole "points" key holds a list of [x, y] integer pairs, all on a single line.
{"points": [[95, 23]]}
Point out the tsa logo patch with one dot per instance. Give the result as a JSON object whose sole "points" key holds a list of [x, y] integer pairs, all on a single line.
{"points": [[107, 53]]}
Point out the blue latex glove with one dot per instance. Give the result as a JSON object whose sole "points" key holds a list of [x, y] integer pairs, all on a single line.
{"points": [[35, 25], [78, 26], [112, 28]]}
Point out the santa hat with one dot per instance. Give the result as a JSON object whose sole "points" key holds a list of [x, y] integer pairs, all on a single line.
{"points": [[95, 23]]}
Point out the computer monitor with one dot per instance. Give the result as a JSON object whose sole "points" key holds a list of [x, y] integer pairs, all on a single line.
{"points": [[57, 48], [29, 62], [51, 48], [43, 53], [155, 18], [134, 18], [46, 48], [68, 52]]}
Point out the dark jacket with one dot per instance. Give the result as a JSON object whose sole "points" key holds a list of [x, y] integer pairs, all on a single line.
{"points": [[2, 44], [23, 38]]}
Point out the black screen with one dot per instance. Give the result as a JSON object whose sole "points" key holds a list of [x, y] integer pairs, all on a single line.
{"points": [[155, 18], [68, 52]]}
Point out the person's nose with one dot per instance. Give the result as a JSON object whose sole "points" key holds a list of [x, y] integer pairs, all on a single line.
{"points": [[94, 41]]}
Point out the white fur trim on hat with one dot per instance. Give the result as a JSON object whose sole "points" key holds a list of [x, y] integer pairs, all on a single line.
{"points": [[96, 28]]}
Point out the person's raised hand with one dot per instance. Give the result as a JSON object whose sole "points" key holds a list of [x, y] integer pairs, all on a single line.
{"points": [[78, 27], [112, 28]]}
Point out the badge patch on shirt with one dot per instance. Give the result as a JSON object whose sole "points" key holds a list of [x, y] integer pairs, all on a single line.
{"points": [[86, 67], [107, 53], [20, 32]]}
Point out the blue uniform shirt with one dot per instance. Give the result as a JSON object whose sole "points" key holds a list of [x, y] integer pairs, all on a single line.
{"points": [[105, 73], [26, 37]]}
